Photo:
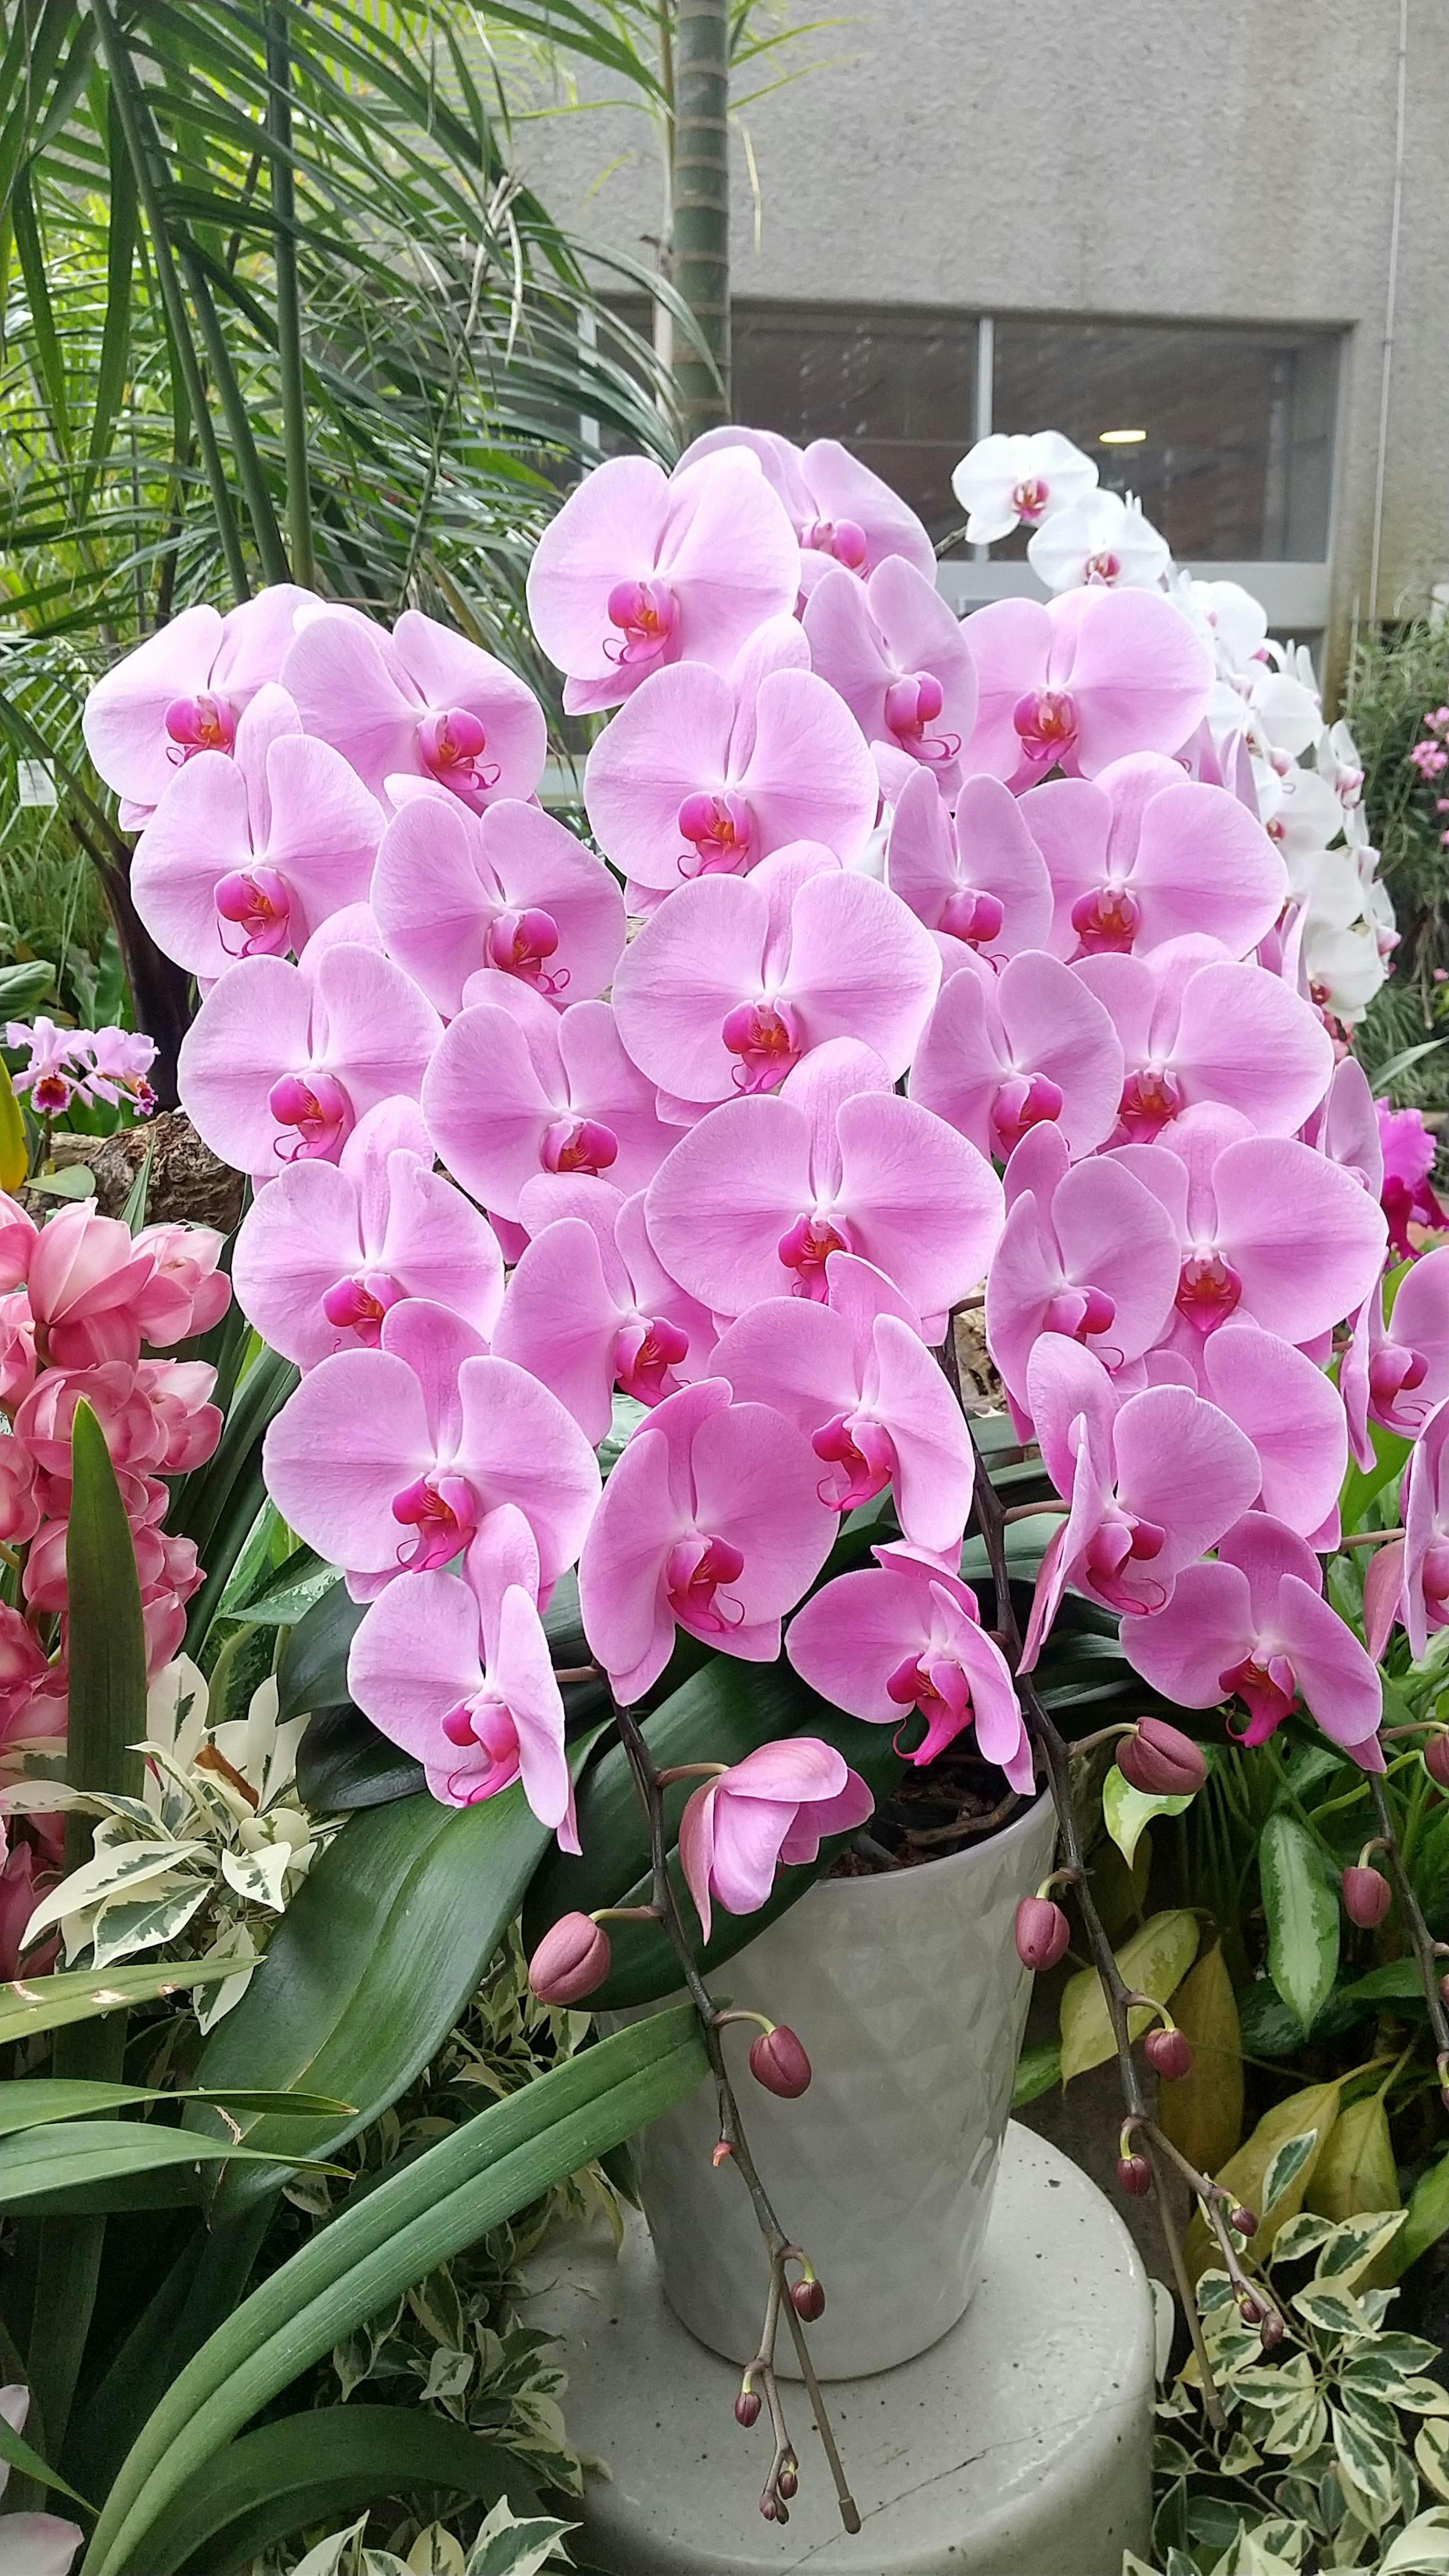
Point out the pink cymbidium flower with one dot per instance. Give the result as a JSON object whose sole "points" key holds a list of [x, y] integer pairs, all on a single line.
{"points": [[1087, 1252], [1195, 1025], [249, 850], [20, 1502], [281, 1061], [704, 773], [1396, 1371], [53, 1074], [86, 1283], [976, 879], [856, 1378], [454, 893], [117, 1062], [394, 1460], [589, 1308], [1140, 854], [187, 1426], [18, 1361], [906, 1637], [184, 691], [899, 658], [154, 1415], [1408, 1159], [637, 572], [1082, 682], [515, 1089], [326, 1252], [711, 1520], [465, 1684], [771, 1811], [186, 1293], [1031, 1046], [736, 979], [1255, 1627], [421, 702], [1266, 1228], [752, 1201], [1152, 1480], [841, 513]]}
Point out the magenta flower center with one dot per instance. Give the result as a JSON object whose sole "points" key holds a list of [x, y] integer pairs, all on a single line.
{"points": [[1151, 1099], [912, 705], [318, 1107], [1104, 567], [50, 1094], [1046, 725], [695, 1571], [1208, 1290], [1024, 1100], [841, 538], [718, 828], [976, 918], [1395, 1371], [1079, 1313], [518, 944], [645, 1359], [806, 1249], [359, 1305], [258, 901], [1029, 499], [485, 1722], [645, 613], [863, 1449], [1106, 920], [1434, 1578], [202, 723], [440, 1509], [1114, 1551], [450, 746], [579, 1145], [766, 1039], [1268, 1690], [937, 1686]]}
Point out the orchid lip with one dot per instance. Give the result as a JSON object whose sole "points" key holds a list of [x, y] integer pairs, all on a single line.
{"points": [[317, 1106], [519, 943], [807, 1247], [766, 1039], [258, 901], [864, 1450], [359, 1305], [975, 918], [646, 1354], [1045, 721], [1151, 1099], [694, 1572], [1106, 921], [645, 613], [451, 742], [202, 723], [1208, 1291], [579, 1145], [1023, 1101], [440, 1509], [719, 829]]}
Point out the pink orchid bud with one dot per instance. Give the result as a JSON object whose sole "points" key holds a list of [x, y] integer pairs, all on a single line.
{"points": [[1271, 2331], [1367, 1897], [778, 2061], [1160, 1760], [1436, 1756], [807, 2298], [1134, 2173], [570, 1961], [1043, 1933], [1168, 2054], [747, 2407]]}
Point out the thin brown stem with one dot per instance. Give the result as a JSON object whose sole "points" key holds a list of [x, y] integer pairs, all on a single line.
{"points": [[1370, 1538], [1031, 1511]]}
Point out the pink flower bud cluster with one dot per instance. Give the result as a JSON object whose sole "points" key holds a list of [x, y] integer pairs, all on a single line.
{"points": [[911, 958]]}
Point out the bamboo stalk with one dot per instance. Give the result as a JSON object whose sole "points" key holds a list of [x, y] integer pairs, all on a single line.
{"points": [[701, 226], [289, 308]]}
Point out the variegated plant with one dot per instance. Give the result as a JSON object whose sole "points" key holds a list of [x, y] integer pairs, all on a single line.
{"points": [[504, 2547]]}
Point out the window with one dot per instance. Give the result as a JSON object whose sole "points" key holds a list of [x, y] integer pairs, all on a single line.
{"points": [[897, 387]]}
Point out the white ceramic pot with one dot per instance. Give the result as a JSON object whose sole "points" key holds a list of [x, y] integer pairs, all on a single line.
{"points": [[910, 2000]]}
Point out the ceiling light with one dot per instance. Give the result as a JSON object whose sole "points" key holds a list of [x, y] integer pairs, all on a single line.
{"points": [[1120, 437]]}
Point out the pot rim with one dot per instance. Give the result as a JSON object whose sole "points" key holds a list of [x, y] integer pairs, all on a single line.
{"points": [[906, 1883]]}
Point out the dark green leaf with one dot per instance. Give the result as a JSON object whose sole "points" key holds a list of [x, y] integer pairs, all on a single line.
{"points": [[39, 2164], [343, 1762], [17, 2451], [31, 2005], [32, 2101]]}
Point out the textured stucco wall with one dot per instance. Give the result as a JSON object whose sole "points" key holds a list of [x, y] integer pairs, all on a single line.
{"points": [[1227, 159]]}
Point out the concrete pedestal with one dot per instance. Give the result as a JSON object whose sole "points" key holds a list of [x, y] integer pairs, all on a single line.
{"points": [[1019, 2445]]}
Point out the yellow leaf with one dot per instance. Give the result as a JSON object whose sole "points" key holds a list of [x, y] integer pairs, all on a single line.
{"points": [[1315, 2109], [1154, 1962], [14, 1159], [1355, 2168], [1203, 2113]]}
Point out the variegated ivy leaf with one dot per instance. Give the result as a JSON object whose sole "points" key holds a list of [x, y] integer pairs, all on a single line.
{"points": [[435, 2552], [448, 2373], [1431, 2450], [259, 1876], [1355, 2243], [1374, 2413], [1365, 2468], [1421, 2548], [1330, 2312], [1409, 2356], [124, 1872], [211, 2003], [123, 1927], [1301, 2236], [507, 2547], [1286, 2167], [1239, 2457]]}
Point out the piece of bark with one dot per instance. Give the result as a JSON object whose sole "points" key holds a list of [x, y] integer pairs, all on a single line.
{"points": [[188, 1185]]}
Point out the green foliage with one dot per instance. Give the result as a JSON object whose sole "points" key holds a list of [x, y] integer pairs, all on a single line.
{"points": [[1398, 675]]}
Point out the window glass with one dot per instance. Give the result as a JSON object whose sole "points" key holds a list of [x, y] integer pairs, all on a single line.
{"points": [[895, 385]]}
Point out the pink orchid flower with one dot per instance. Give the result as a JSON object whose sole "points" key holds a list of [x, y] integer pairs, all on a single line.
{"points": [[736, 979], [395, 1460], [903, 1637], [1031, 1046], [1346, 1128], [249, 851], [899, 658], [420, 703], [117, 1062], [589, 1307], [183, 692], [1082, 682], [771, 1811], [841, 513], [857, 1379], [154, 1414], [185, 1293], [1396, 1370], [20, 1501], [52, 1075], [465, 1684], [711, 1520], [324, 1253], [1254, 1627], [281, 1061], [1266, 1228], [1087, 1252], [637, 572], [86, 1282], [705, 772], [1409, 1578], [1195, 1025], [1152, 1481], [454, 893], [1290, 1411], [1139, 855], [752, 1201], [515, 1089], [975, 878], [1408, 1159]]}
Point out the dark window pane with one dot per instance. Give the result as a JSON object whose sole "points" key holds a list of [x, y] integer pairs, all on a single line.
{"points": [[1238, 458], [898, 387]]}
